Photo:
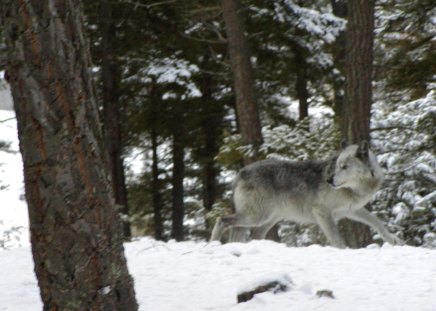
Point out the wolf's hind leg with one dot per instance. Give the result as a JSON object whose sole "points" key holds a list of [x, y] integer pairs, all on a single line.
{"points": [[238, 234], [222, 224], [260, 232]]}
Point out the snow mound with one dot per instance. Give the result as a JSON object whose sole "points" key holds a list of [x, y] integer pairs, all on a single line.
{"points": [[271, 282], [281, 278]]}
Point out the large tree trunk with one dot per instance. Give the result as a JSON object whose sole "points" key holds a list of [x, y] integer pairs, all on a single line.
{"points": [[111, 112], [177, 192], [358, 92], [75, 229], [246, 106], [359, 67]]}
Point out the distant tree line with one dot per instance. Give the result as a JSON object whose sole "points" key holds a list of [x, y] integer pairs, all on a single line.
{"points": [[192, 74]]}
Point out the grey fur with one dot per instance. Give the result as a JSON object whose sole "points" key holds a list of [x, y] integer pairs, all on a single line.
{"points": [[320, 192]]}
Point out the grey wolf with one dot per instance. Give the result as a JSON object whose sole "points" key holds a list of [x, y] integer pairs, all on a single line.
{"points": [[320, 192]]}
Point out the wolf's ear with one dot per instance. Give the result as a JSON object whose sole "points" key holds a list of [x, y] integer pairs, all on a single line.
{"points": [[362, 151], [344, 144]]}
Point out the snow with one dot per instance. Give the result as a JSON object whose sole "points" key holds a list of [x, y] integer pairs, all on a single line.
{"points": [[171, 71], [206, 276], [325, 27], [13, 210]]}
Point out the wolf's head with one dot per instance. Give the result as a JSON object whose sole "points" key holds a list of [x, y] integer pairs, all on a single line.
{"points": [[356, 169]]}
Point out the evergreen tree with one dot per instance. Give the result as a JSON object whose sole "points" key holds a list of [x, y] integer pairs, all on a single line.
{"points": [[173, 60], [405, 44]]}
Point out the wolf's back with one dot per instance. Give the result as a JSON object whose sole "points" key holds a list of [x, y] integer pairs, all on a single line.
{"points": [[279, 175]]}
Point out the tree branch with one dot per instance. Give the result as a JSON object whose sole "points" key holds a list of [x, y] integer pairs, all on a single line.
{"points": [[149, 6], [388, 128]]}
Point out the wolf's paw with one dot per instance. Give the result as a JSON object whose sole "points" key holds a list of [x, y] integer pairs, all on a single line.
{"points": [[394, 240]]}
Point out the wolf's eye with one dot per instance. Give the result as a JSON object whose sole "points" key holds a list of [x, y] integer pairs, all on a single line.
{"points": [[344, 166]]}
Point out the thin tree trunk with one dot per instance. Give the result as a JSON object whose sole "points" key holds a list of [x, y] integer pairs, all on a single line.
{"points": [[177, 192], [358, 93], [155, 189], [75, 229], [210, 125], [340, 10], [301, 76], [210, 170], [246, 106], [111, 113], [301, 85]]}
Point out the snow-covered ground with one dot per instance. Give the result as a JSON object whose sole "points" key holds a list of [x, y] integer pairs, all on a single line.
{"points": [[195, 276]]}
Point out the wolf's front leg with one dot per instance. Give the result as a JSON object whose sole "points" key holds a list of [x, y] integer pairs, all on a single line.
{"points": [[222, 224], [364, 216], [329, 227], [217, 230]]}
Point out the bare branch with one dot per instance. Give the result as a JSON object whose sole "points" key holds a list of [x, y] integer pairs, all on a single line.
{"points": [[388, 128], [6, 120], [404, 169], [204, 10], [198, 39], [148, 6]]}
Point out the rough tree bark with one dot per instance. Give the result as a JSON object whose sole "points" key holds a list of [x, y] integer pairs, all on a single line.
{"points": [[75, 229], [111, 112], [246, 106], [358, 92], [358, 72]]}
